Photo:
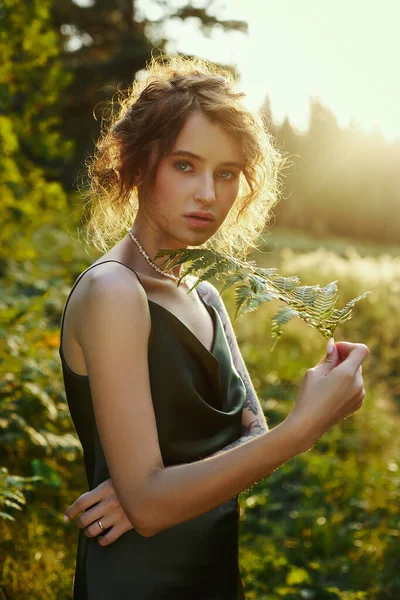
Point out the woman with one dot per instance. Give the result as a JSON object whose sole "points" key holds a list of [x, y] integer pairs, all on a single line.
{"points": [[169, 421]]}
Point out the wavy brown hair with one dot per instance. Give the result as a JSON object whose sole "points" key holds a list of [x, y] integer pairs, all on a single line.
{"points": [[143, 128]]}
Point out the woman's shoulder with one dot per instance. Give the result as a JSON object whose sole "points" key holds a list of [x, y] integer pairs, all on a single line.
{"points": [[113, 272], [107, 285], [113, 301], [112, 279], [208, 291]]}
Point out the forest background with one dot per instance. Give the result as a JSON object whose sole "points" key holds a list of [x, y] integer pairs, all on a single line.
{"points": [[326, 524]]}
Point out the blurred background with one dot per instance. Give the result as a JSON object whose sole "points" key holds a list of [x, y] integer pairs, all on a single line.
{"points": [[325, 76]]}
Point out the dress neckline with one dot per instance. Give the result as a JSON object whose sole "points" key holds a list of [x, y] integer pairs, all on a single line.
{"points": [[209, 354], [210, 310]]}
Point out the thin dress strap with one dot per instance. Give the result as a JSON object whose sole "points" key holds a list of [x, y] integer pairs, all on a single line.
{"points": [[74, 286]]}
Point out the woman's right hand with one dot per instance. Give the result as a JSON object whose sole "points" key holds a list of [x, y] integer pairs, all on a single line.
{"points": [[330, 391]]}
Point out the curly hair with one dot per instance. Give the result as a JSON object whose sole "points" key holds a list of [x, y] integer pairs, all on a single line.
{"points": [[144, 129]]}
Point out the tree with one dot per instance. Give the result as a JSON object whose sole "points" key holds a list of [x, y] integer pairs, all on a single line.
{"points": [[33, 149], [104, 45]]}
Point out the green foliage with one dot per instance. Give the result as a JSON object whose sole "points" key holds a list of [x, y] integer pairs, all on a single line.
{"points": [[256, 285], [34, 419], [331, 512], [37, 438], [32, 153], [12, 488], [32, 149]]}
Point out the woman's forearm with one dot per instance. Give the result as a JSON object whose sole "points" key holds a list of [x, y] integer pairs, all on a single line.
{"points": [[179, 493], [242, 440], [256, 427]]}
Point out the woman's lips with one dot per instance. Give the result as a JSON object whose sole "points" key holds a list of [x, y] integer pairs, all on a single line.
{"points": [[198, 222]]}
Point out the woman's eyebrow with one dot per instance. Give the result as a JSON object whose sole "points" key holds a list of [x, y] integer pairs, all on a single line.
{"points": [[228, 163]]}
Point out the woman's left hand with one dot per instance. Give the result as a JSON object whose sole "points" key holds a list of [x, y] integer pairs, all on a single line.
{"points": [[101, 503]]}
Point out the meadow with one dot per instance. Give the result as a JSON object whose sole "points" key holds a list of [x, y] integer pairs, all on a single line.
{"points": [[323, 526]]}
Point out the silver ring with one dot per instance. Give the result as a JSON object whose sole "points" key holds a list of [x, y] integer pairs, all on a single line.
{"points": [[100, 525]]}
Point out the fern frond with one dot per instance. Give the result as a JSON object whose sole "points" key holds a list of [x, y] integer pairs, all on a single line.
{"points": [[256, 285], [344, 314], [284, 316]]}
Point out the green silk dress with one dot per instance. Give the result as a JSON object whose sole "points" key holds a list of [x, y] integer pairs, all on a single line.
{"points": [[198, 397]]}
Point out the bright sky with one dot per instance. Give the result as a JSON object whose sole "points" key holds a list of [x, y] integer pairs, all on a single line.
{"points": [[344, 52]]}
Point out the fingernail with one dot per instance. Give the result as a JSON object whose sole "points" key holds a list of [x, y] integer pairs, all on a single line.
{"points": [[65, 518], [331, 345]]}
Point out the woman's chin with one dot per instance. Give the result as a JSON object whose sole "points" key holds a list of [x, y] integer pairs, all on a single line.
{"points": [[193, 239]]}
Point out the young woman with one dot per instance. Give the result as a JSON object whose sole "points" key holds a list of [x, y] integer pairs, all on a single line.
{"points": [[171, 427]]}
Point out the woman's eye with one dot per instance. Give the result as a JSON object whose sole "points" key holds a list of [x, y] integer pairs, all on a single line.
{"points": [[227, 175], [183, 165]]}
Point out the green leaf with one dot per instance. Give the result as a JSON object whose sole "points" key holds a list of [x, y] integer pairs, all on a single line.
{"points": [[255, 286], [6, 516]]}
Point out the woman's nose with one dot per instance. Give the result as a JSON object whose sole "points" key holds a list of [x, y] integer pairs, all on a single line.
{"points": [[206, 188]]}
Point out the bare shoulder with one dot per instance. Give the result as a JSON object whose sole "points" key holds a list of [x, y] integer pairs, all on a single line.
{"points": [[113, 272], [114, 293]]}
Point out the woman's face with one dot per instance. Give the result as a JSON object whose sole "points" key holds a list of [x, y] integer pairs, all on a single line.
{"points": [[200, 173]]}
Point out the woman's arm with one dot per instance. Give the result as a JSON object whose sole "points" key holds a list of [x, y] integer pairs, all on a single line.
{"points": [[179, 493], [102, 502], [114, 334]]}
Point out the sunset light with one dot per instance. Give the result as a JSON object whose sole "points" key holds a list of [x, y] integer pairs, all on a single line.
{"points": [[346, 53]]}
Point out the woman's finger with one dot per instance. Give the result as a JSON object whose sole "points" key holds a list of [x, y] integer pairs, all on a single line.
{"points": [[114, 533], [109, 507], [94, 528], [345, 348], [91, 515], [86, 500], [354, 360]]}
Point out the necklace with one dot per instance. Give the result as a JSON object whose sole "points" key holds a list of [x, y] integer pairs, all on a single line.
{"points": [[148, 259]]}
